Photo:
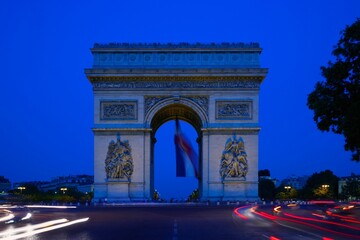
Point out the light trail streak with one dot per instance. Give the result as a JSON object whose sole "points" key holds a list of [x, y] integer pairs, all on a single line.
{"points": [[277, 209], [236, 211], [339, 216], [350, 220], [7, 217], [320, 228], [274, 238], [32, 227], [322, 221], [48, 206], [276, 218], [265, 215], [39, 228]]}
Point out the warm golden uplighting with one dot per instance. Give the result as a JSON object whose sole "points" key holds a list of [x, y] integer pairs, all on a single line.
{"points": [[21, 189], [63, 190]]}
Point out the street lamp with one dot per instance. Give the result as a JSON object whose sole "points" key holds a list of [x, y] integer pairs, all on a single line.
{"points": [[21, 188], [63, 189], [287, 193], [325, 186]]}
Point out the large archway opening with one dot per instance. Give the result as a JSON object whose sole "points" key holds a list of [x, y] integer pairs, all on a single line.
{"points": [[164, 180]]}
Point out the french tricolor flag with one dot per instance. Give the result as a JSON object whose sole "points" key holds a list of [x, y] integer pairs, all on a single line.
{"points": [[186, 157]]}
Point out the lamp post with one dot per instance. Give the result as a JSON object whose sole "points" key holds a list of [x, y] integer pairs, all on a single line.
{"points": [[63, 190], [287, 189], [325, 190], [21, 188]]}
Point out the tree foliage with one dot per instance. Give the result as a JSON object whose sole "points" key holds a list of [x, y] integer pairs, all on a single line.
{"points": [[264, 173], [286, 194], [351, 188], [323, 185], [267, 189], [32, 194], [336, 102]]}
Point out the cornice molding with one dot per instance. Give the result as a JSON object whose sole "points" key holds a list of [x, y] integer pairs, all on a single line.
{"points": [[93, 72], [100, 47]]}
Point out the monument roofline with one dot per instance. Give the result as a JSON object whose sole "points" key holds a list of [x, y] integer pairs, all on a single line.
{"points": [[225, 46]]}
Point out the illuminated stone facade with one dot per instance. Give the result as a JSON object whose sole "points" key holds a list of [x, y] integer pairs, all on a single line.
{"points": [[138, 87]]}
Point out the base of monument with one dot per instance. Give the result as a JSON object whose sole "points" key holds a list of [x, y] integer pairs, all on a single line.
{"points": [[241, 199], [110, 200], [231, 199]]}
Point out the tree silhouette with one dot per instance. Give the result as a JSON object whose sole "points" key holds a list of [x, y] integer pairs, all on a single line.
{"points": [[336, 102]]}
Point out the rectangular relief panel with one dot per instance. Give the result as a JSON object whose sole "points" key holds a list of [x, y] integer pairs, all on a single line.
{"points": [[234, 109], [118, 110]]}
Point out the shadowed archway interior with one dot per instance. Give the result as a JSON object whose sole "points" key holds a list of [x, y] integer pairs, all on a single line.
{"points": [[180, 111]]}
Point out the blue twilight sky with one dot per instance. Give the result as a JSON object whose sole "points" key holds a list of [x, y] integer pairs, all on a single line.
{"points": [[47, 104]]}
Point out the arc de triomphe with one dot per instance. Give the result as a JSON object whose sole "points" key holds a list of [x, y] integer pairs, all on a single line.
{"points": [[138, 87]]}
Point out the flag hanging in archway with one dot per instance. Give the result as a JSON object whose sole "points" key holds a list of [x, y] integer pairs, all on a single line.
{"points": [[186, 157]]}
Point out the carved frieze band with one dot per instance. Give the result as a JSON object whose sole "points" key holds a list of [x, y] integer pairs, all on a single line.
{"points": [[233, 109], [174, 59], [201, 101], [118, 110], [166, 84]]}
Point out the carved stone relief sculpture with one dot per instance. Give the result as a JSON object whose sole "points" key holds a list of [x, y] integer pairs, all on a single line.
{"points": [[119, 162], [233, 110], [233, 160], [118, 110]]}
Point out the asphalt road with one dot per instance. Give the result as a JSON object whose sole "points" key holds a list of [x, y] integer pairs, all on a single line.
{"points": [[173, 222]]}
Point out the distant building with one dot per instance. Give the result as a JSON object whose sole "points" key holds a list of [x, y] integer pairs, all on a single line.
{"points": [[297, 182], [83, 183], [5, 184], [33, 183], [343, 181], [274, 180]]}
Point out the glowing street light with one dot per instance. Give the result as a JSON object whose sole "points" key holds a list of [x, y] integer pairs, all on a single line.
{"points": [[63, 190], [21, 189], [325, 186], [287, 188]]}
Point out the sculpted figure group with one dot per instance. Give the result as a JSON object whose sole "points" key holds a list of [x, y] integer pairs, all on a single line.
{"points": [[119, 162], [233, 160]]}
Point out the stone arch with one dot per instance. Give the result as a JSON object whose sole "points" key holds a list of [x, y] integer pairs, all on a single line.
{"points": [[138, 87], [170, 110], [184, 108]]}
